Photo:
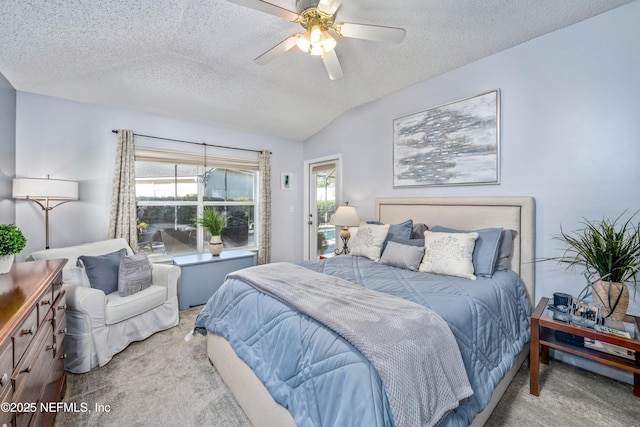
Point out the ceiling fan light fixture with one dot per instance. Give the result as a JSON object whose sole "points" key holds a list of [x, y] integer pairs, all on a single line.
{"points": [[317, 50], [328, 43], [315, 35], [303, 42]]}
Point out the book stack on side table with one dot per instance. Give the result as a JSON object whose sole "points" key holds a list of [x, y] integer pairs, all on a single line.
{"points": [[620, 329]]}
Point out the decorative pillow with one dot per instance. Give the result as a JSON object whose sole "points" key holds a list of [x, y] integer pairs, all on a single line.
{"points": [[369, 240], [400, 231], [449, 253], [410, 242], [403, 256], [418, 230], [134, 274], [506, 249], [485, 252], [102, 270]]}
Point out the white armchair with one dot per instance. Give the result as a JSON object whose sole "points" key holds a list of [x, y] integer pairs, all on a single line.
{"points": [[101, 325]]}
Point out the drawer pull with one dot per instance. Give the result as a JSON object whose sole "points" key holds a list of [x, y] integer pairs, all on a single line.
{"points": [[51, 347], [62, 307], [62, 331], [4, 380], [25, 370], [64, 356], [45, 302], [26, 332], [57, 284]]}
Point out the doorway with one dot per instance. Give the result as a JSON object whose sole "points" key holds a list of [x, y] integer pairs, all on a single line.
{"points": [[322, 196]]}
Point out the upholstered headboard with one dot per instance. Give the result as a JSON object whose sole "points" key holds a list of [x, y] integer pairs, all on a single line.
{"points": [[472, 213]]}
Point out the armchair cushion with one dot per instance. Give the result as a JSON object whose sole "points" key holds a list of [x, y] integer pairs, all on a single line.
{"points": [[122, 308], [102, 270]]}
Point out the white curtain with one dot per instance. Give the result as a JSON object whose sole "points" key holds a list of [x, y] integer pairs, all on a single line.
{"points": [[264, 228], [122, 222]]}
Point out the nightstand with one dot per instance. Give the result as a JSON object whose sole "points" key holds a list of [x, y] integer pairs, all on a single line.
{"points": [[543, 337], [202, 274]]}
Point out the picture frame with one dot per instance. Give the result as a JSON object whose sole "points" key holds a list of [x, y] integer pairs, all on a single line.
{"points": [[452, 144], [286, 181]]}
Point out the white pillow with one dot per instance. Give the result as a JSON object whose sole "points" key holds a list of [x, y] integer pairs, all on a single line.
{"points": [[449, 253], [369, 240]]}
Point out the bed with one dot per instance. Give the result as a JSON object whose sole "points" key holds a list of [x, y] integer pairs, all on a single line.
{"points": [[373, 400]]}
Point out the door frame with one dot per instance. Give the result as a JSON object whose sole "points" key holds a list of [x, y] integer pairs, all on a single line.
{"points": [[307, 181]]}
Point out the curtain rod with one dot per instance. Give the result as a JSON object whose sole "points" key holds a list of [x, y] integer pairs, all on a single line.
{"points": [[194, 143]]}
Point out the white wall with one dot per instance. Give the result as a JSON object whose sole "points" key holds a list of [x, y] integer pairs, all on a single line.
{"points": [[7, 149], [570, 122], [72, 140]]}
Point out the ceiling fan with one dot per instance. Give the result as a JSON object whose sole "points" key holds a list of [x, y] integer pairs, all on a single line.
{"points": [[317, 17]]}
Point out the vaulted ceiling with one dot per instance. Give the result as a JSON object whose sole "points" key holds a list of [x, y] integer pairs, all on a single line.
{"points": [[194, 59]]}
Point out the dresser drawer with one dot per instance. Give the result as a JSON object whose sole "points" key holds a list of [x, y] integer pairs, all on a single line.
{"points": [[56, 286], [23, 335], [6, 367], [60, 324], [45, 304], [34, 368]]}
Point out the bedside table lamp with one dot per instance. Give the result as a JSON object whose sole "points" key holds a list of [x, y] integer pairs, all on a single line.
{"points": [[346, 216], [43, 192]]}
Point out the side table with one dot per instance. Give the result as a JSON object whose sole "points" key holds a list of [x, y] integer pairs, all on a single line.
{"points": [[202, 274], [543, 327]]}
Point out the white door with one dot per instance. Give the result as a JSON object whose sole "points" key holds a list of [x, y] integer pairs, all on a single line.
{"points": [[322, 198]]}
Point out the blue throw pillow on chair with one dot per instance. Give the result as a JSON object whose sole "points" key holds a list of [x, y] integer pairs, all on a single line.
{"points": [[102, 270]]}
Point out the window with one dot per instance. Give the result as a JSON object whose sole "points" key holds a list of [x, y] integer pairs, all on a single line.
{"points": [[171, 191]]}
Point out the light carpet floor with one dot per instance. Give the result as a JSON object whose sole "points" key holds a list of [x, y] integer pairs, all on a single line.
{"points": [[165, 381]]}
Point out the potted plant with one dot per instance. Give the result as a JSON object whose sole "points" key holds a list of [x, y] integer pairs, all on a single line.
{"points": [[214, 221], [12, 242], [609, 253]]}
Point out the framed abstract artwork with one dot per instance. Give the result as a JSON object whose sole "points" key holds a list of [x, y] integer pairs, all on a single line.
{"points": [[286, 181], [453, 144]]}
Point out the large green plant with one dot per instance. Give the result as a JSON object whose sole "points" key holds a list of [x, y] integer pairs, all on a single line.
{"points": [[607, 249], [12, 240], [213, 220]]}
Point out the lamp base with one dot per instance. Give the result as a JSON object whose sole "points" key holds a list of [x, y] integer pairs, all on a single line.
{"points": [[345, 235]]}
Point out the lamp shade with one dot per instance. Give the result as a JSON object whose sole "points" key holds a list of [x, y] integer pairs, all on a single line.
{"points": [[345, 216], [41, 189]]}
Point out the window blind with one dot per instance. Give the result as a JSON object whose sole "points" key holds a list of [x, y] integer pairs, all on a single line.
{"points": [[147, 154]]}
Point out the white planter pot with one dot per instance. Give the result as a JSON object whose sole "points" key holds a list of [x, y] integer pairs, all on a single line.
{"points": [[215, 245], [5, 263]]}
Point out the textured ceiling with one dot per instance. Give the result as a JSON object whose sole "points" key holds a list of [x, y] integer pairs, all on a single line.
{"points": [[193, 59]]}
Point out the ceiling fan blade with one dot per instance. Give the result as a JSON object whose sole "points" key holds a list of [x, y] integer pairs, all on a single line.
{"points": [[269, 8], [277, 50], [329, 6], [332, 65], [371, 32]]}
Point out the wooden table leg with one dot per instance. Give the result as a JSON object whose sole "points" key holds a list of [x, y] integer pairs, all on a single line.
{"points": [[636, 384], [534, 358], [544, 354]]}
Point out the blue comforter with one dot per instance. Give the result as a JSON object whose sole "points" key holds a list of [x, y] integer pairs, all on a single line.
{"points": [[324, 381]]}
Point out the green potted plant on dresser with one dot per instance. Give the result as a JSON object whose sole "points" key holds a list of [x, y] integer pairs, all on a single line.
{"points": [[609, 252], [214, 221], [12, 242]]}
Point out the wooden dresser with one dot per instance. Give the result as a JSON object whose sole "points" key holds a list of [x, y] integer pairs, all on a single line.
{"points": [[32, 329]]}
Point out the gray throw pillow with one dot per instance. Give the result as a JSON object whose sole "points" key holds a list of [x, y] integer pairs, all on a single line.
{"points": [[506, 249], [134, 274], [102, 270], [403, 256]]}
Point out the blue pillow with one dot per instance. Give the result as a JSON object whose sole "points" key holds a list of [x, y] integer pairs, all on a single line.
{"points": [[485, 251], [102, 270], [409, 242], [400, 231]]}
